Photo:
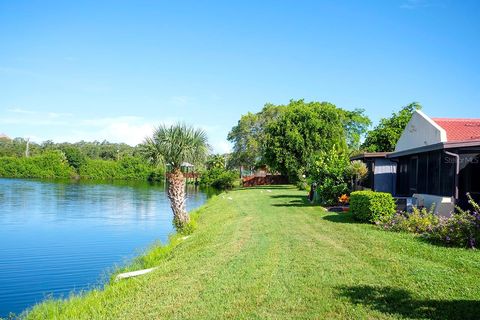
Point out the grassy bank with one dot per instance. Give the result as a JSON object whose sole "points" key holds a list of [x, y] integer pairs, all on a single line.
{"points": [[260, 254]]}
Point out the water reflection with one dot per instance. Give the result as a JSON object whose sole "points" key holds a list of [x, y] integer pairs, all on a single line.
{"points": [[60, 235]]}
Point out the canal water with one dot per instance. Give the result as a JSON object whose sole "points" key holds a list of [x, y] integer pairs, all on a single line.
{"points": [[63, 237]]}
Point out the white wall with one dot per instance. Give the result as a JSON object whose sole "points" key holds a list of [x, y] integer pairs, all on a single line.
{"points": [[420, 131], [444, 206]]}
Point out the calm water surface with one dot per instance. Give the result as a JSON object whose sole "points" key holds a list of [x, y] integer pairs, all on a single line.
{"points": [[59, 237]]}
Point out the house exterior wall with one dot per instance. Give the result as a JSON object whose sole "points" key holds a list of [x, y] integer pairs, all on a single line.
{"points": [[384, 175], [420, 131]]}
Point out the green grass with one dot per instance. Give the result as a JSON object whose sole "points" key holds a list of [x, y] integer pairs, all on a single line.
{"points": [[269, 255]]}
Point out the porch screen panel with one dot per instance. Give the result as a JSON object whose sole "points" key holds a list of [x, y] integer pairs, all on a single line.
{"points": [[402, 177], [447, 177], [422, 172], [433, 181]]}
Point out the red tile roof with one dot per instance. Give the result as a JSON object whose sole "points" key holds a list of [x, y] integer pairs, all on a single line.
{"points": [[460, 129]]}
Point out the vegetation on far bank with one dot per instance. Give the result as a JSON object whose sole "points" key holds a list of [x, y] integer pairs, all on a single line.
{"points": [[266, 253], [86, 160]]}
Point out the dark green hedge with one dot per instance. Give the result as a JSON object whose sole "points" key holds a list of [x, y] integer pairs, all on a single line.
{"points": [[370, 206], [55, 164], [127, 168], [52, 164]]}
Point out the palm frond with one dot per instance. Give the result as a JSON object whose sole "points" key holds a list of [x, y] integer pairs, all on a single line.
{"points": [[176, 144]]}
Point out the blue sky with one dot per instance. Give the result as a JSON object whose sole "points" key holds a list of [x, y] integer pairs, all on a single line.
{"points": [[72, 70]]}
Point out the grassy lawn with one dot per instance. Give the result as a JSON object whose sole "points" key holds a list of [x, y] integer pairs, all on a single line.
{"points": [[258, 254]]}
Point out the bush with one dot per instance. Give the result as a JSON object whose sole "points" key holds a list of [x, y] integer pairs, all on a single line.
{"points": [[460, 229], [52, 164], [419, 221], [99, 169], [156, 174], [370, 206], [219, 178], [128, 168], [330, 170], [74, 157]]}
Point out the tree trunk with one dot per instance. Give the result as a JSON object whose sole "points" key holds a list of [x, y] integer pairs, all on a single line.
{"points": [[176, 195]]}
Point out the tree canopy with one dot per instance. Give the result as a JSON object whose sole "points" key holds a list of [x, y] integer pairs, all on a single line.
{"points": [[302, 130], [248, 136], [385, 135], [252, 137]]}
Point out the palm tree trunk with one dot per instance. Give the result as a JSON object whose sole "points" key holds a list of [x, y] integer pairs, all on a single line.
{"points": [[176, 194]]}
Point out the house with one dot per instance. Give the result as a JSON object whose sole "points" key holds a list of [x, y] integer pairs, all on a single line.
{"points": [[381, 171], [438, 162]]}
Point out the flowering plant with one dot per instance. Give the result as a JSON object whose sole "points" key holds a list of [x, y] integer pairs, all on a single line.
{"points": [[343, 199], [461, 229]]}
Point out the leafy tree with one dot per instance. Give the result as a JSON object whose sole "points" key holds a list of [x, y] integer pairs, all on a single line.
{"points": [[248, 136], [173, 146], [386, 134], [330, 170], [302, 130], [16, 147], [216, 161], [74, 157], [356, 125]]}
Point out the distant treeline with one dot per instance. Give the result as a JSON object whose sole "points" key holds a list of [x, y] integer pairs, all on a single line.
{"points": [[85, 160]]}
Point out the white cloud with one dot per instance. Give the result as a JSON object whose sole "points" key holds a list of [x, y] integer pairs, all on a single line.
{"points": [[67, 127], [20, 111]]}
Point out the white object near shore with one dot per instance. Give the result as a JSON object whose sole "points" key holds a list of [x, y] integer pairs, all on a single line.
{"points": [[133, 274]]}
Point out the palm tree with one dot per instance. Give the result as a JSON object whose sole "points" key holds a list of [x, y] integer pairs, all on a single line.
{"points": [[173, 146]]}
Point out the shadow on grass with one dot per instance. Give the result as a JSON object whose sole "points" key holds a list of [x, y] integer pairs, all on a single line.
{"points": [[272, 187], [340, 218], [288, 196], [301, 201], [396, 301]]}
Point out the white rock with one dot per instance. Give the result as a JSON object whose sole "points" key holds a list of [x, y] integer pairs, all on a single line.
{"points": [[133, 273]]}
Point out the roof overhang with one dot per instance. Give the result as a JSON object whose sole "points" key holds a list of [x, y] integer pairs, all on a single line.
{"points": [[436, 146], [369, 155]]}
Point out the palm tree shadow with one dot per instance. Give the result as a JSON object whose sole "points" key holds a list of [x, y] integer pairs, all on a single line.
{"points": [[396, 301]]}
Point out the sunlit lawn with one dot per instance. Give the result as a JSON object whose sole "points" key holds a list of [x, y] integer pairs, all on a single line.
{"points": [[258, 254]]}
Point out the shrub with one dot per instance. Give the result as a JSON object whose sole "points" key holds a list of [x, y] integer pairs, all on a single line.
{"points": [[156, 174], [370, 206], [50, 164], [128, 168], [133, 168], [74, 157], [99, 169], [331, 172], [219, 178], [460, 229], [419, 221]]}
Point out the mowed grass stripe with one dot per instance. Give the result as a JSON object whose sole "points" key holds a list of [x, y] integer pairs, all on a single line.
{"points": [[265, 253]]}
